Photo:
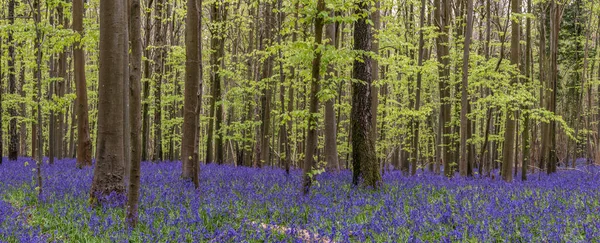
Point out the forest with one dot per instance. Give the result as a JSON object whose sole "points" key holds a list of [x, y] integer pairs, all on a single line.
{"points": [[299, 121]]}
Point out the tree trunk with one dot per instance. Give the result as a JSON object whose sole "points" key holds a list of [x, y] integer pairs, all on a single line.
{"points": [[313, 110], [38, 73], [109, 169], [159, 60], [265, 127], [415, 125], [525, 144], [60, 89], [364, 159], [191, 91], [555, 19], [13, 146], [464, 104], [146, 85], [508, 149], [442, 16], [331, 151], [84, 144], [135, 104]]}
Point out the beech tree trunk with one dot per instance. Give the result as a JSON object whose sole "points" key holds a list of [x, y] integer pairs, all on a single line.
{"points": [[442, 19], [191, 91], [464, 121], [84, 143], [508, 149], [135, 104], [109, 170], [312, 137]]}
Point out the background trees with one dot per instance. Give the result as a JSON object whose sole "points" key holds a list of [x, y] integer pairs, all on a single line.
{"points": [[259, 95]]}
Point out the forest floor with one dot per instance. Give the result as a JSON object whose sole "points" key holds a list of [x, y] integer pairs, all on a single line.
{"points": [[237, 204]]}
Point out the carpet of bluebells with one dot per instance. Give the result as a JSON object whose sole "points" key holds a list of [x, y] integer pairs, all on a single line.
{"points": [[237, 204]]}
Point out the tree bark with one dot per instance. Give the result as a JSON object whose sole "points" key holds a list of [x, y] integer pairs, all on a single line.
{"points": [[135, 104], [364, 159], [109, 169], [331, 151], [508, 149], [84, 144], [192, 79], [313, 110], [415, 125], [146, 84], [13, 146], [443, 19], [464, 104], [159, 59]]}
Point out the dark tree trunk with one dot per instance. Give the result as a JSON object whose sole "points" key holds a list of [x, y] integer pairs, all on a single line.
{"points": [[364, 159], [464, 121], [13, 145], [312, 137], [442, 19], [508, 149], [135, 104], [159, 39]]}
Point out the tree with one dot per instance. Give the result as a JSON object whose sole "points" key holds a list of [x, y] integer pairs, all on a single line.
{"points": [[311, 136], [192, 80], [442, 19], [13, 145], [331, 151], [415, 125], [364, 160], [135, 101], [109, 170], [84, 143], [555, 18], [264, 150], [464, 121], [218, 15], [526, 126], [37, 16], [508, 149], [159, 58]]}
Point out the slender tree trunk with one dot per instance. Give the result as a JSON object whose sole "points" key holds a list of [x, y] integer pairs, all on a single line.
{"points": [[13, 146], [38, 74], [525, 145], [135, 104], [159, 60], [146, 84], [464, 121], [416, 121], [60, 89], [192, 79], [508, 149], [126, 94], [313, 110], [442, 16], [331, 151], [265, 128], [555, 19], [84, 144]]}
